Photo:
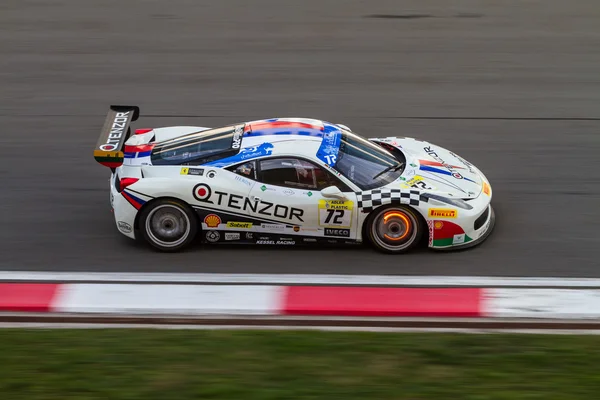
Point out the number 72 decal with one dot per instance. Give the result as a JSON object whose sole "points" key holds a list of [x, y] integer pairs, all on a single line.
{"points": [[336, 213]]}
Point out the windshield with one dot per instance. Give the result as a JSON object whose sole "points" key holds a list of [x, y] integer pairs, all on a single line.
{"points": [[365, 163], [198, 148]]}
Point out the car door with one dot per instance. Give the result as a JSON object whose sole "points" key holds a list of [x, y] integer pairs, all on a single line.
{"points": [[297, 197]]}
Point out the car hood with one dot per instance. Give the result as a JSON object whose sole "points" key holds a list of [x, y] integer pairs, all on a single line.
{"points": [[433, 168]]}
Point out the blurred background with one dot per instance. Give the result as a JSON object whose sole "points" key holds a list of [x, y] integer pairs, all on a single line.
{"points": [[513, 86]]}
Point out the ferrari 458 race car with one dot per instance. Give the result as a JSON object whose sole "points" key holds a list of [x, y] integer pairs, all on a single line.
{"points": [[289, 181]]}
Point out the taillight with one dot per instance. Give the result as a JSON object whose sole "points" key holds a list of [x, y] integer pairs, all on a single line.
{"points": [[141, 131], [127, 182]]}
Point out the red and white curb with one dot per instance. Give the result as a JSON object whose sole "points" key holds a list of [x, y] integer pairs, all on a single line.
{"points": [[281, 300]]}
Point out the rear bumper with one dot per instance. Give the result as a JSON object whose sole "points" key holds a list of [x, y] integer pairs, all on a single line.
{"points": [[124, 213]]}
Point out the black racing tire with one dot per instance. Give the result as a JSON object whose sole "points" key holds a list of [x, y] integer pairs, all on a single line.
{"points": [[168, 225], [394, 229]]}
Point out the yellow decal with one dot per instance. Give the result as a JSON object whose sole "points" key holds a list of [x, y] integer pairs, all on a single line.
{"points": [[336, 205], [184, 171], [239, 225], [486, 188], [438, 225], [416, 182], [442, 213]]}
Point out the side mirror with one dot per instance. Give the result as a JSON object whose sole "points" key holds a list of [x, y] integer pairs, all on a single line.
{"points": [[333, 192]]}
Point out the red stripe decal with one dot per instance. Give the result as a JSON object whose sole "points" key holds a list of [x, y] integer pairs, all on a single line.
{"points": [[139, 148], [27, 297], [132, 201], [368, 301], [283, 124]]}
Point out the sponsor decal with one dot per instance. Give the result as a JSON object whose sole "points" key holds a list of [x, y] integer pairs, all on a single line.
{"points": [[264, 149], [329, 148], [486, 188], [296, 229], [458, 239], [237, 138], [335, 213], [192, 171], [337, 232], [263, 188], [124, 227], [117, 130], [232, 236], [212, 220], [436, 157], [213, 236], [430, 239], [442, 213], [273, 227], [284, 242], [416, 182], [309, 194], [203, 193], [249, 235], [438, 225], [239, 225], [288, 192], [465, 162], [243, 180], [310, 240]]}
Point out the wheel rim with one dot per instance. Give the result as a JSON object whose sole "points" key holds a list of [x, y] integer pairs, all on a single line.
{"points": [[167, 225], [394, 229]]}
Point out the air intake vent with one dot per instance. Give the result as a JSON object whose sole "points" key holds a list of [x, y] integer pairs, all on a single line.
{"points": [[482, 218]]}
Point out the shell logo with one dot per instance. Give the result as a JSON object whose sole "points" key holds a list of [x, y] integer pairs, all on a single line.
{"points": [[212, 220], [438, 224]]}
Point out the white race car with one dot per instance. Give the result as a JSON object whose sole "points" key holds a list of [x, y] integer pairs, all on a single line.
{"points": [[289, 181]]}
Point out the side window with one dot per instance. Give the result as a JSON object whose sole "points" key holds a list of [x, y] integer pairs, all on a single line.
{"points": [[247, 170], [291, 172]]}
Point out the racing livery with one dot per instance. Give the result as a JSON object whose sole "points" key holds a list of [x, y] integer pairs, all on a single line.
{"points": [[289, 181]]}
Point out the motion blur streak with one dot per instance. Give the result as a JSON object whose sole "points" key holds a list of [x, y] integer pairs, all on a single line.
{"points": [[509, 78]]}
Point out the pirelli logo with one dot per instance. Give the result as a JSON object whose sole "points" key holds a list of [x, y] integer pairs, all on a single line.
{"points": [[442, 213]]}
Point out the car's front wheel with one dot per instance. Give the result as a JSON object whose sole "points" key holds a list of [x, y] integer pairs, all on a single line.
{"points": [[168, 225], [394, 229]]}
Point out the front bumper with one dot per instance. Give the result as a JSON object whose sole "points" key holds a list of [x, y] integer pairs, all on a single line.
{"points": [[467, 228], [461, 240]]}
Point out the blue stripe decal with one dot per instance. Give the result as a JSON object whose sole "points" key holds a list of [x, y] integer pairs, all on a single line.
{"points": [[138, 154], [142, 202], [248, 153], [440, 171], [330, 145]]}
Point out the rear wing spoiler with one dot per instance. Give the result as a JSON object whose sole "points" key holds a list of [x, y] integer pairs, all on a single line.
{"points": [[116, 130]]}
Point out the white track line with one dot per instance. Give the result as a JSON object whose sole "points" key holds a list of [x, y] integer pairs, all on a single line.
{"points": [[298, 279], [299, 328]]}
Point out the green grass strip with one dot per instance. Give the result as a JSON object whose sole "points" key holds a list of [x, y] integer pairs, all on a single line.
{"points": [[195, 364]]}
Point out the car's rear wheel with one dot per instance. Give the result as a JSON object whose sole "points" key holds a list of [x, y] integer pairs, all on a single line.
{"points": [[168, 225], [394, 229]]}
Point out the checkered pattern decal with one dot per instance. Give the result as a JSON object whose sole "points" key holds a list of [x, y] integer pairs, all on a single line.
{"points": [[371, 199]]}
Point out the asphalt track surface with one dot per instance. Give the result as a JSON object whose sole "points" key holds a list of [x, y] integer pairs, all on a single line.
{"points": [[513, 87]]}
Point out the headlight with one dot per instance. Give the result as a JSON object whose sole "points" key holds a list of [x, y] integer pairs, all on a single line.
{"points": [[455, 202]]}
